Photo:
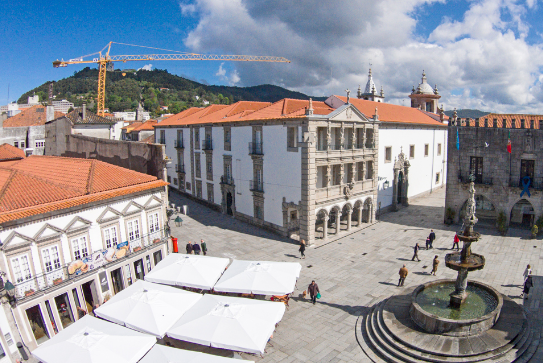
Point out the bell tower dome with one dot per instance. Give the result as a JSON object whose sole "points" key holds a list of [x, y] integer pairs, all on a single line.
{"points": [[424, 97]]}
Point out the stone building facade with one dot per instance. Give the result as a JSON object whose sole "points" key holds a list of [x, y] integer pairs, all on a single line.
{"points": [[508, 183]]}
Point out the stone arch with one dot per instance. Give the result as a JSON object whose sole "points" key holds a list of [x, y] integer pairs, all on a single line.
{"points": [[346, 213], [357, 212], [334, 218], [321, 223], [486, 210], [522, 214], [367, 211]]}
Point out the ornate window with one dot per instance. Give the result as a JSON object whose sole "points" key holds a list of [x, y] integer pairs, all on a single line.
{"points": [[110, 236], [51, 258], [79, 247], [153, 222], [21, 268], [133, 230]]}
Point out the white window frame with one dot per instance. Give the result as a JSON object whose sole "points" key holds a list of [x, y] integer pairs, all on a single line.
{"points": [[39, 143], [80, 247], [50, 261], [154, 222], [133, 234], [439, 149], [111, 237], [20, 266]]}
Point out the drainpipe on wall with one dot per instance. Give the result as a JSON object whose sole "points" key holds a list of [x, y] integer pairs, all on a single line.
{"points": [[433, 160]]}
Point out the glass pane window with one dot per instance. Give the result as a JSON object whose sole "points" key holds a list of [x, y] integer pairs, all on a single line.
{"points": [[79, 246], [153, 222], [21, 268], [64, 310], [110, 236], [51, 258], [133, 230], [37, 324]]}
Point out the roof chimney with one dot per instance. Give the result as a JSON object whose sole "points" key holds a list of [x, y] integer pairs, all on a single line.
{"points": [[49, 113], [84, 113]]}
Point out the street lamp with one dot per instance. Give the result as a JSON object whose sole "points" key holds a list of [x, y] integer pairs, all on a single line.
{"points": [[178, 221], [10, 289]]}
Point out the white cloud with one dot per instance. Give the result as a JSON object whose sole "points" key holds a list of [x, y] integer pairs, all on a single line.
{"points": [[330, 45], [147, 67]]}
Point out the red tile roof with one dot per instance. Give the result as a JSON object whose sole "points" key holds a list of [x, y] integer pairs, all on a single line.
{"points": [[146, 126], [245, 111], [33, 116], [388, 112], [40, 184], [510, 120], [10, 152]]}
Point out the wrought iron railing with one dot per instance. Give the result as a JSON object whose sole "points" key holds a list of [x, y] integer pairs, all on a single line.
{"points": [[226, 179], [178, 143], [479, 179], [180, 168], [535, 183], [37, 284], [257, 186], [208, 145], [162, 141], [255, 148]]}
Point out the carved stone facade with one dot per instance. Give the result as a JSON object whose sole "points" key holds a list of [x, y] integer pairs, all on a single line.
{"points": [[401, 182]]}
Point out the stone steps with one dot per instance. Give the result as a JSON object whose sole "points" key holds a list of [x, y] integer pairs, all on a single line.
{"points": [[381, 345]]}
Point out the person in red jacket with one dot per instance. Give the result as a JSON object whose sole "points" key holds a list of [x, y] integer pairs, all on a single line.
{"points": [[455, 242], [313, 289]]}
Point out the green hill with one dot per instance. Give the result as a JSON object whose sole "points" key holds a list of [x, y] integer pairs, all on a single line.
{"points": [[467, 113], [156, 88]]}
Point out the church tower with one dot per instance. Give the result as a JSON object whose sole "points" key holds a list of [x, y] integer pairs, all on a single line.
{"points": [[424, 97], [370, 93]]}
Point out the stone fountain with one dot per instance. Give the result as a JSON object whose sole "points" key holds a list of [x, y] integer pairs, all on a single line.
{"points": [[449, 320]]}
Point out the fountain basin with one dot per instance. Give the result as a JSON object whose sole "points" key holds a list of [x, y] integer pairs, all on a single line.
{"points": [[474, 261], [455, 322], [473, 237]]}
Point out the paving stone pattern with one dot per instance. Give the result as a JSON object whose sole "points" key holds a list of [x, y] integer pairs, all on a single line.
{"points": [[361, 269]]}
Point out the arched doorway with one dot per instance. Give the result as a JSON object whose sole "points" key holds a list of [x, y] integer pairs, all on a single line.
{"points": [[400, 182], [345, 215], [522, 214], [366, 211], [334, 221], [357, 213], [321, 224], [485, 211]]}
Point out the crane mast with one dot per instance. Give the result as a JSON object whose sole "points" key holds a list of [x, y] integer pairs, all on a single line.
{"points": [[104, 60]]}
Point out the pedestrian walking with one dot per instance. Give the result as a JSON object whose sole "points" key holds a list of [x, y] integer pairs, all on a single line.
{"points": [[313, 289], [432, 237], [189, 248], [196, 248], [416, 252], [302, 249], [427, 243], [435, 263], [527, 272], [527, 285], [456, 241], [403, 274], [204, 247]]}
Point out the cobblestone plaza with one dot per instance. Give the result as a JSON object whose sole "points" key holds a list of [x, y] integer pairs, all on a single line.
{"points": [[361, 269]]}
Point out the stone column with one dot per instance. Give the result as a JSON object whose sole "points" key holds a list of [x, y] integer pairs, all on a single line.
{"points": [[309, 172], [359, 217], [325, 229], [328, 175], [353, 146], [349, 214], [341, 173]]}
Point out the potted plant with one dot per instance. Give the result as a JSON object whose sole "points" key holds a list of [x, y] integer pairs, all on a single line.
{"points": [[29, 292], [137, 249], [449, 216], [156, 240], [57, 281], [500, 221]]}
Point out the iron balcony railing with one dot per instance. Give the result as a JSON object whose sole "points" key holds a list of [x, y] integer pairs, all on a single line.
{"points": [[207, 145], [479, 179], [180, 168], [178, 144], [535, 183], [162, 141], [226, 179], [255, 148], [257, 186], [35, 285]]}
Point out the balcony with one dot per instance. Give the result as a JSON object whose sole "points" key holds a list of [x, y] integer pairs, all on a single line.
{"points": [[39, 285], [227, 180], [479, 179], [162, 141], [207, 145], [257, 186], [255, 148], [180, 168], [178, 144], [535, 183]]}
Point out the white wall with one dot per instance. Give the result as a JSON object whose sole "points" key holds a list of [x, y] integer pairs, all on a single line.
{"points": [[422, 171], [100, 131]]}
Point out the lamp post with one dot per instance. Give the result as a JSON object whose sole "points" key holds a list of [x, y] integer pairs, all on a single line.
{"points": [[178, 221], [10, 290]]}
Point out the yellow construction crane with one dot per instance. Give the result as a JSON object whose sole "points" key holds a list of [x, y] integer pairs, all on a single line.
{"points": [[105, 62]]}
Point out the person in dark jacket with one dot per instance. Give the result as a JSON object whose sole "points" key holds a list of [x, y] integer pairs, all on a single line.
{"points": [[403, 274], [196, 248], [527, 285], [432, 237], [427, 243], [204, 247], [189, 248], [416, 252], [313, 289], [302, 249]]}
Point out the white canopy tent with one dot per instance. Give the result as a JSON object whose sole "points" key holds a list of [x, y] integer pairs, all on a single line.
{"points": [[232, 323], [148, 307], [91, 340], [163, 354], [201, 272], [259, 277]]}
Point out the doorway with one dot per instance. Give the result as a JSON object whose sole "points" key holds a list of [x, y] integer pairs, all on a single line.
{"points": [[400, 187], [138, 269], [90, 294], [229, 204], [117, 280], [522, 214]]}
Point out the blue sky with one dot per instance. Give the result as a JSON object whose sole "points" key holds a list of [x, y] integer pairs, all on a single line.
{"points": [[484, 54]]}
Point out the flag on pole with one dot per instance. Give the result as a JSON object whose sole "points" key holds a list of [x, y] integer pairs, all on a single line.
{"points": [[457, 140], [509, 143]]}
